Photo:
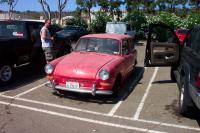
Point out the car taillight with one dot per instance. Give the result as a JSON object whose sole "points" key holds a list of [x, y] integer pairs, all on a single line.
{"points": [[197, 80]]}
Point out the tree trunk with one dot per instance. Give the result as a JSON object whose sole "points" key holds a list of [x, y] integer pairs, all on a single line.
{"points": [[89, 13], [47, 11]]}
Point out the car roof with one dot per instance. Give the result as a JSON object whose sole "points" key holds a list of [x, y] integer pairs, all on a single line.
{"points": [[10, 21], [105, 35], [182, 29]]}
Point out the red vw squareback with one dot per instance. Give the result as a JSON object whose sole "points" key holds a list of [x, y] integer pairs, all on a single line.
{"points": [[98, 65]]}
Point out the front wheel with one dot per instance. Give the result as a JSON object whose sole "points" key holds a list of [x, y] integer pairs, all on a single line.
{"points": [[173, 78], [116, 87], [6, 73]]}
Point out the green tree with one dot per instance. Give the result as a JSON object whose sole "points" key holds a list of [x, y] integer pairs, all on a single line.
{"points": [[77, 21], [161, 5], [149, 5], [196, 3], [132, 5], [111, 6], [80, 6], [61, 6], [46, 8], [104, 5], [115, 8], [86, 6], [99, 24]]}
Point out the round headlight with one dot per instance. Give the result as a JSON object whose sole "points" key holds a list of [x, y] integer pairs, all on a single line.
{"points": [[49, 68], [104, 74]]}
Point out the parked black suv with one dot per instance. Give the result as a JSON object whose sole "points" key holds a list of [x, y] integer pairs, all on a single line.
{"points": [[163, 49], [16, 47]]}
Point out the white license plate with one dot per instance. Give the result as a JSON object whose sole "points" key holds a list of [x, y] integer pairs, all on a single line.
{"points": [[72, 85]]}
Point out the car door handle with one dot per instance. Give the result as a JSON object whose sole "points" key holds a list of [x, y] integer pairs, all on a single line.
{"points": [[169, 57]]}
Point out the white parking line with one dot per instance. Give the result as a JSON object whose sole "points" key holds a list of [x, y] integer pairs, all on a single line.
{"points": [[140, 107], [169, 125], [82, 119], [117, 105], [54, 105], [32, 89], [102, 114]]}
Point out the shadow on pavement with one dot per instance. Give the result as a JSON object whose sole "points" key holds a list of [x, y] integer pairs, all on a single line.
{"points": [[125, 91], [23, 76], [173, 109], [163, 82]]}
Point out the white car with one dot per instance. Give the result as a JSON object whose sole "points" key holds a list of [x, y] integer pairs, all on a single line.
{"points": [[119, 28]]}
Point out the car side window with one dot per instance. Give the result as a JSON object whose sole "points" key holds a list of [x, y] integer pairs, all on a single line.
{"points": [[162, 34], [125, 47], [194, 41]]}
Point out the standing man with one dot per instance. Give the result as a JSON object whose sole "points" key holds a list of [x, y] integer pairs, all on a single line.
{"points": [[46, 40]]}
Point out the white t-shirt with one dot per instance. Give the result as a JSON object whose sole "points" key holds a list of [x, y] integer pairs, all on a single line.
{"points": [[46, 42]]}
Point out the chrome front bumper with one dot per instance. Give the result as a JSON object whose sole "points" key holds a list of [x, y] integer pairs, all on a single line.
{"points": [[92, 91]]}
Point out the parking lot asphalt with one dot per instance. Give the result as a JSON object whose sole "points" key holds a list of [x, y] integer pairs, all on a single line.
{"points": [[148, 102]]}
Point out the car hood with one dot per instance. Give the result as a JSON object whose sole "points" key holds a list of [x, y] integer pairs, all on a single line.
{"points": [[82, 65]]}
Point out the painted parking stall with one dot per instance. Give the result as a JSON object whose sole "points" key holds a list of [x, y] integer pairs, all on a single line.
{"points": [[142, 109]]}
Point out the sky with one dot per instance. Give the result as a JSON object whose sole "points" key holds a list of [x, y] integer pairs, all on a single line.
{"points": [[33, 5]]}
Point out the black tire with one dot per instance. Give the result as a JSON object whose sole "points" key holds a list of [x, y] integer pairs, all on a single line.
{"points": [[186, 106], [6, 73], [173, 78], [116, 87]]}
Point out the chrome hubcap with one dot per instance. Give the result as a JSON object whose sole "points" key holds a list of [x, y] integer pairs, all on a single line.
{"points": [[182, 95], [5, 73]]}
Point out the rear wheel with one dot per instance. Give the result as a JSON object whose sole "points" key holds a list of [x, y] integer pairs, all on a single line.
{"points": [[6, 73], [186, 105]]}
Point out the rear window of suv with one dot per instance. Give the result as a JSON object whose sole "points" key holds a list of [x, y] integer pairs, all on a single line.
{"points": [[183, 31], [12, 30]]}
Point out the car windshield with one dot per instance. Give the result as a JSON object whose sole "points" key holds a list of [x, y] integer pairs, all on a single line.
{"points": [[12, 30], [99, 45]]}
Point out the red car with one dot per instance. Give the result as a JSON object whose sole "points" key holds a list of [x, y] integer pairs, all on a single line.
{"points": [[181, 34], [99, 65]]}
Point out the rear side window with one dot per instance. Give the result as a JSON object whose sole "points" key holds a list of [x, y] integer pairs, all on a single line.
{"points": [[15, 30], [162, 34]]}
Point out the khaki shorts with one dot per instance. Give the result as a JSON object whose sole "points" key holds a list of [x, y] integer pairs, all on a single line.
{"points": [[48, 51]]}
